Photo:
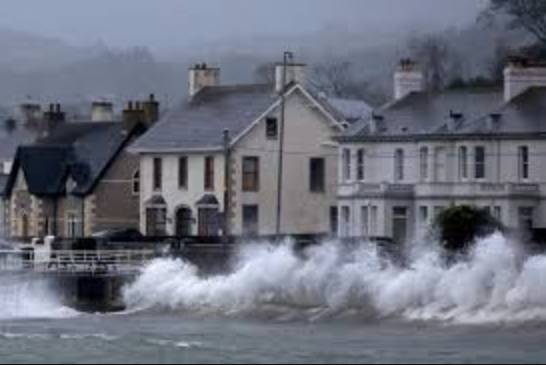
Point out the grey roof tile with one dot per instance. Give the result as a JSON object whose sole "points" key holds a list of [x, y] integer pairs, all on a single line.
{"points": [[200, 123]]}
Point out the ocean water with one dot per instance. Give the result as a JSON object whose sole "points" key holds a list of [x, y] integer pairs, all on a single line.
{"points": [[328, 305]]}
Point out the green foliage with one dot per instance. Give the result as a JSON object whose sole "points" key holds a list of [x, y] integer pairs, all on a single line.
{"points": [[460, 226]]}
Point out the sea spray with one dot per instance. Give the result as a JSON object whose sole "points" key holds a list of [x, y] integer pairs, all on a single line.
{"points": [[496, 282], [24, 296]]}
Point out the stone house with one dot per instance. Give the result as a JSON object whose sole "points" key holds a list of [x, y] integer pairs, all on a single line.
{"points": [[78, 178]]}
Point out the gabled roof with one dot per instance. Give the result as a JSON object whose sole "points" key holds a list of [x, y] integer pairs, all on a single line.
{"points": [[80, 151], [198, 125]]}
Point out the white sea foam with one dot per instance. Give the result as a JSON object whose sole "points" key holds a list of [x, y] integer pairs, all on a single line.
{"points": [[496, 283], [26, 297]]}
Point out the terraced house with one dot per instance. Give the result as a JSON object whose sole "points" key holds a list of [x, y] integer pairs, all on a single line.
{"points": [[426, 150], [217, 155], [78, 178]]}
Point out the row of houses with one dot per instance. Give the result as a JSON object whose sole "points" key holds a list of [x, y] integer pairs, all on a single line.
{"points": [[283, 158]]}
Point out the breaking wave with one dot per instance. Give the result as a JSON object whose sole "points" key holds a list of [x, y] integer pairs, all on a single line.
{"points": [[496, 283], [28, 297]]}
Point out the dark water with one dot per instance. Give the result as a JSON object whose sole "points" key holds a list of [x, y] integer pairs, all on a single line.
{"points": [[172, 338]]}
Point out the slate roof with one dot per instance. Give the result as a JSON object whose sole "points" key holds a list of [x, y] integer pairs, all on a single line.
{"points": [[81, 151], [352, 110], [425, 113], [525, 114], [199, 123], [9, 141]]}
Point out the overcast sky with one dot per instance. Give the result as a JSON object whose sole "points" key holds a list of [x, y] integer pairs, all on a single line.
{"points": [[162, 24]]}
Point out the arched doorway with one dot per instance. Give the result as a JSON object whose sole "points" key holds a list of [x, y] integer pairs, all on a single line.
{"points": [[184, 222]]}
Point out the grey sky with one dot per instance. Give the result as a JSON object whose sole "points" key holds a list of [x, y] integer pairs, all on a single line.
{"points": [[163, 24]]}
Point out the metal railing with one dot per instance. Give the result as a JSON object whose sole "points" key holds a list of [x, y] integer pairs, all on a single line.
{"points": [[73, 262]]}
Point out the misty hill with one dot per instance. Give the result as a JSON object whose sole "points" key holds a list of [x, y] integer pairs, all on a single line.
{"points": [[46, 69]]}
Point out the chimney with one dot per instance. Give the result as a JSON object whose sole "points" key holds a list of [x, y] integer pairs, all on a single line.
{"points": [[201, 76], [408, 78], [520, 74], [295, 73], [151, 110], [132, 116], [53, 118], [455, 120], [102, 111], [31, 113]]}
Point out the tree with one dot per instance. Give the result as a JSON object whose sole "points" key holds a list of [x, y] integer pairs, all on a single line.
{"points": [[529, 15], [460, 226], [433, 53], [337, 78]]}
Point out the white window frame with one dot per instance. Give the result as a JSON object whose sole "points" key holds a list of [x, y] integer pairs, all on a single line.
{"points": [[477, 163], [346, 164], [361, 164], [134, 181], [523, 163], [423, 163], [399, 164], [463, 163]]}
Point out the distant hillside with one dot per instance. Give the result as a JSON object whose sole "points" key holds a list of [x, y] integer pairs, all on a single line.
{"points": [[47, 69]]}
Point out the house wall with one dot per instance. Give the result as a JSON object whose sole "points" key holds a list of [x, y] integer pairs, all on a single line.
{"points": [[175, 196], [113, 204], [502, 190], [307, 134]]}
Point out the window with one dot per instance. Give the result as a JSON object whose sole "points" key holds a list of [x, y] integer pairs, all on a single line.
{"points": [[346, 154], [423, 215], [399, 165], [373, 221], [209, 173], [156, 221], [479, 162], [158, 173], [73, 226], [271, 128], [251, 173], [317, 174], [423, 163], [334, 220], [136, 183], [360, 164], [523, 157], [526, 217], [463, 162], [346, 221], [183, 172], [440, 164], [364, 222], [250, 220]]}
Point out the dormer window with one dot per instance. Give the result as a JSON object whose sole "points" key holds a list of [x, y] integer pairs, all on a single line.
{"points": [[271, 128]]}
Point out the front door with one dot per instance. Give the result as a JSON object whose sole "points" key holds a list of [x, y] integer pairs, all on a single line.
{"points": [[184, 222], [250, 220], [208, 222], [400, 225]]}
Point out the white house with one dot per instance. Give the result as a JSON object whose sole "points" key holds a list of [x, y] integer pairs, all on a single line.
{"points": [[425, 151], [183, 167]]}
